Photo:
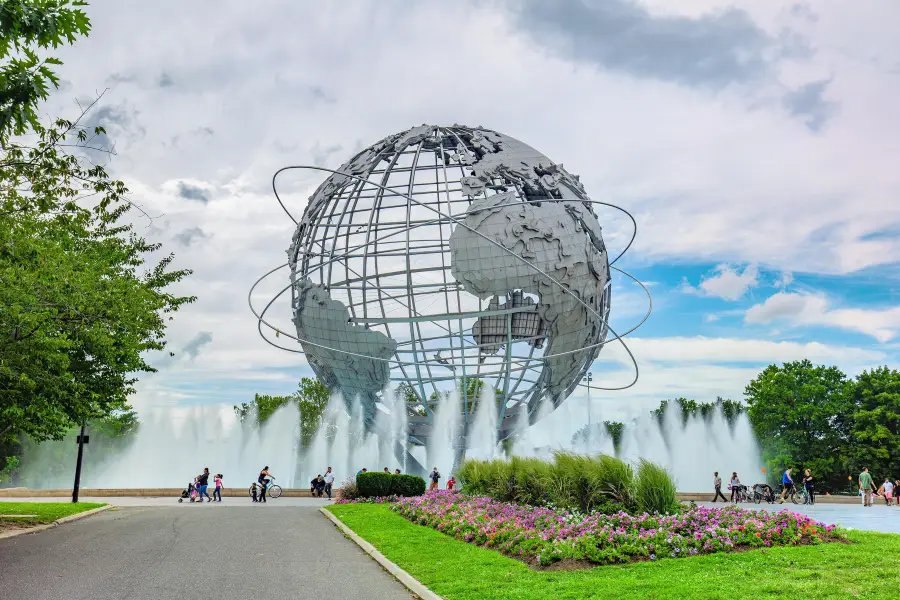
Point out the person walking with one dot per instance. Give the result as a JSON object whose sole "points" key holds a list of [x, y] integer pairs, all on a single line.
{"points": [[717, 483], [735, 486], [203, 481], [434, 477], [808, 485], [866, 486], [217, 493], [787, 484], [329, 481]]}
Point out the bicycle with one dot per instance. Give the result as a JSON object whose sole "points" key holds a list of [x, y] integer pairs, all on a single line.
{"points": [[272, 491]]}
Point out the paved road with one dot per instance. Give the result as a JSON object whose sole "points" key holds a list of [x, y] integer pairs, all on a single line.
{"points": [[183, 551], [879, 517], [173, 501]]}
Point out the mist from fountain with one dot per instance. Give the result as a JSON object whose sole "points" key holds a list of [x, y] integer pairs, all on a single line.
{"points": [[172, 445]]}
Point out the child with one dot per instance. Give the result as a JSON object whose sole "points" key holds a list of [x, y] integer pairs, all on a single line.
{"points": [[450, 483], [218, 492], [194, 491]]}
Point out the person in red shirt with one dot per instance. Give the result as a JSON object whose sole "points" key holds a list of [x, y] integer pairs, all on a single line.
{"points": [[450, 483]]}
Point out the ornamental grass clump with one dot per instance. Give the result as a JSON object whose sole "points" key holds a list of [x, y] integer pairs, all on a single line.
{"points": [[654, 489], [572, 482], [541, 536]]}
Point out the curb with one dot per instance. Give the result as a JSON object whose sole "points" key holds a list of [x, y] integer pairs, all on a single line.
{"points": [[63, 520], [410, 582]]}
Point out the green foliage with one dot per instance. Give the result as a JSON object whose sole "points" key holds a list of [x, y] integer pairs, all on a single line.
{"points": [[45, 512], [654, 489], [407, 485], [803, 417], [875, 396], [571, 481], [311, 398], [78, 309], [25, 78], [11, 464], [615, 431], [705, 410], [348, 490], [371, 485]]}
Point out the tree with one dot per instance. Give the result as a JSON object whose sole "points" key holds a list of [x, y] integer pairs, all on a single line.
{"points": [[25, 81], [311, 399], [731, 409], [596, 431], [803, 417], [876, 422], [79, 306]]}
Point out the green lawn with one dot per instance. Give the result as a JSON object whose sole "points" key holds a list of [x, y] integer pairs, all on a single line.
{"points": [[46, 512], [459, 571]]}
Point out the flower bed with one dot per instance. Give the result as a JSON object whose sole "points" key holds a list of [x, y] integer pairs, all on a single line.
{"points": [[543, 536], [369, 500]]}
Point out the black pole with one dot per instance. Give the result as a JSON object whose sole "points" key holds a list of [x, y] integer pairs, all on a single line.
{"points": [[78, 465]]}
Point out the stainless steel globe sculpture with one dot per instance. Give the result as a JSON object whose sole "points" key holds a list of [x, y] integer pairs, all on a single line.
{"points": [[443, 255]]}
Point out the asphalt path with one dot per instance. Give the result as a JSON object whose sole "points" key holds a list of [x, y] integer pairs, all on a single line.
{"points": [[191, 551]]}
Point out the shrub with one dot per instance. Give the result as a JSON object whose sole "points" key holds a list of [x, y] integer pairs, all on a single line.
{"points": [[654, 489], [572, 482], [385, 484], [407, 485], [348, 491], [373, 484]]}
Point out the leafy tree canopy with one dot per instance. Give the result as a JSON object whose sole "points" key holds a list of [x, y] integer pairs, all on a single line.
{"points": [[79, 305], [802, 415], [311, 399], [26, 79], [876, 422]]}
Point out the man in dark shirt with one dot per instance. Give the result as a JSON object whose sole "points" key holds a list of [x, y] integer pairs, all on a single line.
{"points": [[203, 482], [434, 476]]}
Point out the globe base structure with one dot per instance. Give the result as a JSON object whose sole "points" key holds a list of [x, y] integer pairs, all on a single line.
{"points": [[450, 266]]}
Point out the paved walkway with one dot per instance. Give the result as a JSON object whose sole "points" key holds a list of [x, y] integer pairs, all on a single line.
{"points": [[181, 551], [173, 501], [885, 519]]}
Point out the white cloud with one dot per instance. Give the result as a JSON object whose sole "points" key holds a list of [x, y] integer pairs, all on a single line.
{"points": [[798, 309], [699, 349], [727, 283], [724, 177]]}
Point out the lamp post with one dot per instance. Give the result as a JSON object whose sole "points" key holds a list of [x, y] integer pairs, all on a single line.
{"points": [[588, 378], [82, 440]]}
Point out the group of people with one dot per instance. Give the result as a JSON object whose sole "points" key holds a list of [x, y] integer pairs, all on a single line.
{"points": [[787, 486], [201, 487], [322, 484], [867, 487], [885, 490]]}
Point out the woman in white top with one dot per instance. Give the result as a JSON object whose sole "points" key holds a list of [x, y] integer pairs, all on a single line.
{"points": [[888, 491], [735, 486]]}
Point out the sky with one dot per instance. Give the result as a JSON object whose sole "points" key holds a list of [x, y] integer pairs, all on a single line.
{"points": [[756, 144]]}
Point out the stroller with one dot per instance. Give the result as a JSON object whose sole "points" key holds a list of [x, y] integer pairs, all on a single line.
{"points": [[763, 491], [190, 492]]}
